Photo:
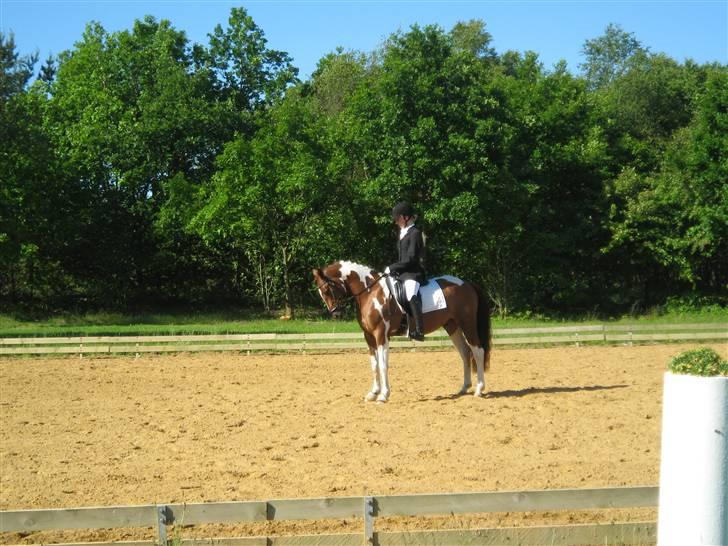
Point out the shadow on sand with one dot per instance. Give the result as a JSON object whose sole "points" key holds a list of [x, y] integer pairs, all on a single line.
{"points": [[529, 391], [550, 390]]}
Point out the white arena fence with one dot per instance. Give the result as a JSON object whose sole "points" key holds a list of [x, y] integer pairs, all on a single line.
{"points": [[366, 509], [317, 343]]}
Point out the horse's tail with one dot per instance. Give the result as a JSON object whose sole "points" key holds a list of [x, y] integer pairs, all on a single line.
{"points": [[484, 327]]}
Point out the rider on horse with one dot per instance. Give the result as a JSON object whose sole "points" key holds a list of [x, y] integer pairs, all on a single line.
{"points": [[409, 266]]}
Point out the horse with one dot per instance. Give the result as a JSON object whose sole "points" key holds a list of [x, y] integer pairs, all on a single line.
{"points": [[466, 318]]}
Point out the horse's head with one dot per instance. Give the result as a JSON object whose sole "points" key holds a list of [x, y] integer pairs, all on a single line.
{"points": [[331, 288]]}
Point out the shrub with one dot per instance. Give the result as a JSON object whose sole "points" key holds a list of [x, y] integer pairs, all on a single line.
{"points": [[703, 361]]}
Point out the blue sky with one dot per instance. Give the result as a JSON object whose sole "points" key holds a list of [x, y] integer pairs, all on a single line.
{"points": [[308, 29]]}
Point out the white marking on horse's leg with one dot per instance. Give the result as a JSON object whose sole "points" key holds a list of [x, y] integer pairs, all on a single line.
{"points": [[458, 340], [372, 395], [479, 355], [383, 359]]}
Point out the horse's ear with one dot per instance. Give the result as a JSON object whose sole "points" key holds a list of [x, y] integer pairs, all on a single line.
{"points": [[317, 273]]}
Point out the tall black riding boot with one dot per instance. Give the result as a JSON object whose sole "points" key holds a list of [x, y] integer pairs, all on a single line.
{"points": [[416, 307]]}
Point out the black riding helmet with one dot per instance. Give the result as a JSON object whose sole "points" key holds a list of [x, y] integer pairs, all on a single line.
{"points": [[403, 208]]}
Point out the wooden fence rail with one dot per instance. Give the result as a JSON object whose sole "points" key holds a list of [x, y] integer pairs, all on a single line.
{"points": [[574, 335], [367, 509]]}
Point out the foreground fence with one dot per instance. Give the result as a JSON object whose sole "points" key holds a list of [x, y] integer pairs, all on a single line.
{"points": [[247, 343], [366, 509]]}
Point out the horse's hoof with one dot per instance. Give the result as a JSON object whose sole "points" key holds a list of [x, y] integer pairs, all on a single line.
{"points": [[382, 398], [464, 390], [371, 397], [478, 392]]}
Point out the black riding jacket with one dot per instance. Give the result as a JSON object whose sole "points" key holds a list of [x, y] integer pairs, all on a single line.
{"points": [[411, 250]]}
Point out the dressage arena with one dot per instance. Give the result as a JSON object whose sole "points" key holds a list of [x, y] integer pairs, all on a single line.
{"points": [[223, 427]]}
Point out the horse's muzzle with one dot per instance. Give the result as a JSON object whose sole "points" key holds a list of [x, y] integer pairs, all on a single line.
{"points": [[331, 313]]}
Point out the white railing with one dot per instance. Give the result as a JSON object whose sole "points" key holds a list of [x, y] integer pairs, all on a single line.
{"points": [[367, 509], [573, 335]]}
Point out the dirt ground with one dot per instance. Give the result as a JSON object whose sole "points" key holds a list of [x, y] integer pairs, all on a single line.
{"points": [[223, 427]]}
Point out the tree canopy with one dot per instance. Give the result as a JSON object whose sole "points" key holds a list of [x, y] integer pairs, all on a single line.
{"points": [[141, 169]]}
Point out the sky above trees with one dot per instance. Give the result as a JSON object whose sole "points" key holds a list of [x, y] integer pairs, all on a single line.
{"points": [[307, 29]]}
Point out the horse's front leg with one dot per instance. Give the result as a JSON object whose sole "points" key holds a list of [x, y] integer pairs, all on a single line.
{"points": [[376, 389], [383, 360], [377, 337]]}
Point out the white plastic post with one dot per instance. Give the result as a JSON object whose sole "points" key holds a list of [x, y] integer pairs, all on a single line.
{"points": [[693, 505]]}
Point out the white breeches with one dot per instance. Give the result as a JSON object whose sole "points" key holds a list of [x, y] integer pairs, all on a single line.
{"points": [[410, 288]]}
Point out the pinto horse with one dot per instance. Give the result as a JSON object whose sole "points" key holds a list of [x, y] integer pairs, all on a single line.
{"points": [[466, 319]]}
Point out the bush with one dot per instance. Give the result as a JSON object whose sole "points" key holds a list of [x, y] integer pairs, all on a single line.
{"points": [[705, 362]]}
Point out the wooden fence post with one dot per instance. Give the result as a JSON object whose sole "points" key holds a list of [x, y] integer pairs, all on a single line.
{"points": [[369, 521], [162, 517]]}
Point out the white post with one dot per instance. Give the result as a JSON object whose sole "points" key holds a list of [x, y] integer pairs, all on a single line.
{"points": [[694, 467]]}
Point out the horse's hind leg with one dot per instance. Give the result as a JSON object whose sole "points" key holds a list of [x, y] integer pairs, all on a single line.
{"points": [[478, 353], [458, 340]]}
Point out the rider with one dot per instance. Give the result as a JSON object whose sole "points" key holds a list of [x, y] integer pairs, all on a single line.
{"points": [[409, 266]]}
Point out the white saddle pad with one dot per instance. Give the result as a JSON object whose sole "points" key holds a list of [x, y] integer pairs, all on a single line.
{"points": [[432, 297]]}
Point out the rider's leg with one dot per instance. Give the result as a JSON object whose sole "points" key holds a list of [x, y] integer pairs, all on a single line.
{"points": [[411, 288]]}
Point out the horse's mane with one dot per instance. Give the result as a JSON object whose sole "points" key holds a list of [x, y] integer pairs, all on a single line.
{"points": [[363, 271]]}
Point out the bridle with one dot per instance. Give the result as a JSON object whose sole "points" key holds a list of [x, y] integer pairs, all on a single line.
{"points": [[338, 300], [341, 301]]}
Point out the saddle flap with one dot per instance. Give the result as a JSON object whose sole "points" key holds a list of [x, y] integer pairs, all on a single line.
{"points": [[396, 288]]}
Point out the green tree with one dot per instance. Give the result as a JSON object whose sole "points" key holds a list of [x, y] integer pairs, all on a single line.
{"points": [[336, 78], [643, 107], [672, 222], [246, 71], [555, 158], [272, 202], [138, 166], [28, 221], [645, 113], [48, 70], [607, 56], [504, 159], [424, 130], [15, 70], [472, 37], [136, 116]]}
